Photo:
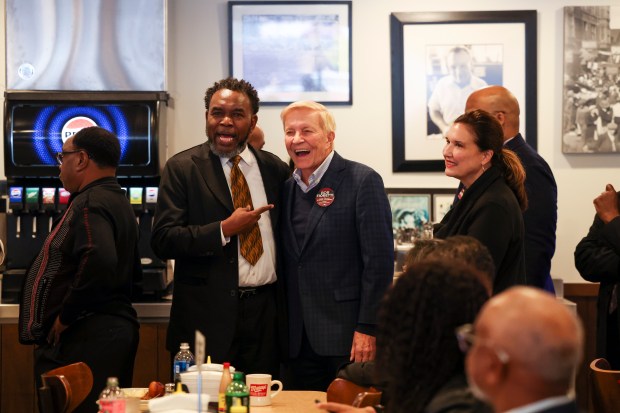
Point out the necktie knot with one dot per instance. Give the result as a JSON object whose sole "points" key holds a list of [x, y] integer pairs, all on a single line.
{"points": [[235, 160]]}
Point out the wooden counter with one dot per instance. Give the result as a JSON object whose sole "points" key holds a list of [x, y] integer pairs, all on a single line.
{"points": [[17, 389]]}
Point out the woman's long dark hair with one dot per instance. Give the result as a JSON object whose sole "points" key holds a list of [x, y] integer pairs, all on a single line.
{"points": [[417, 350], [489, 135]]}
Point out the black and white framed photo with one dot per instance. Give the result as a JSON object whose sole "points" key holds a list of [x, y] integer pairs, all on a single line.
{"points": [[438, 59], [292, 50], [591, 108]]}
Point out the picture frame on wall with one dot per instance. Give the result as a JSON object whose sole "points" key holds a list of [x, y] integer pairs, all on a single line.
{"points": [[292, 50], [590, 113], [416, 206], [410, 209], [438, 59], [442, 203]]}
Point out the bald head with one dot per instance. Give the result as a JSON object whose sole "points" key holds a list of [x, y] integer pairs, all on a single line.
{"points": [[498, 101], [539, 334], [257, 138]]}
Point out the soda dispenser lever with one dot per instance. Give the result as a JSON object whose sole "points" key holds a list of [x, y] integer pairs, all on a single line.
{"points": [[137, 201], [48, 200], [150, 201], [33, 205], [63, 199], [16, 206]]}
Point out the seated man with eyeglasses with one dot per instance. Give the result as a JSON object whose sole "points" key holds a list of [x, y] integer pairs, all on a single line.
{"points": [[76, 301], [522, 352]]}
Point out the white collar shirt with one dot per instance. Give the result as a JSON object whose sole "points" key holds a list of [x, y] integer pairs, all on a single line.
{"points": [[264, 272], [315, 177], [541, 405]]}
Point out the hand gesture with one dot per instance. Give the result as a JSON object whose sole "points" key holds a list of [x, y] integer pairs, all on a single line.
{"points": [[606, 204], [242, 219]]}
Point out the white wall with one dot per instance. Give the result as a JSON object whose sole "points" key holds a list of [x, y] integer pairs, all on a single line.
{"points": [[198, 56]]}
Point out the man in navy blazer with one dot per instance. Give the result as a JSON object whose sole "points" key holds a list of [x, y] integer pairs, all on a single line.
{"points": [[523, 352], [337, 250], [541, 216]]}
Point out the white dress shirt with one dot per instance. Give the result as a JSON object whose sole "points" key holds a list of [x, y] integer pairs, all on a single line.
{"points": [[315, 177], [541, 405], [264, 272]]}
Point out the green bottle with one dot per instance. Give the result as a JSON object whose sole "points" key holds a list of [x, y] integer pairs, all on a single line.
{"points": [[237, 395]]}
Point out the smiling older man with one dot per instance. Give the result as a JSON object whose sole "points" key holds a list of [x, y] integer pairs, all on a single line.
{"points": [[337, 250]]}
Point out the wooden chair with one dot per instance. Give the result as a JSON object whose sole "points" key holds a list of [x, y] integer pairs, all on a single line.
{"points": [[347, 392], [367, 398], [605, 387], [64, 388]]}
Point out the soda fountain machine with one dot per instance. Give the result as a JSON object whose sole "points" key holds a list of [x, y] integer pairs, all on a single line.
{"points": [[36, 125]]}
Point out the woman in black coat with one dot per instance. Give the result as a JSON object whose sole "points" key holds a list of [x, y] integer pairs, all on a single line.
{"points": [[490, 204]]}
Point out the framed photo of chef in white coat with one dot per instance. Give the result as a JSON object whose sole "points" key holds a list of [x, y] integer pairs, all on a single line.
{"points": [[438, 59]]}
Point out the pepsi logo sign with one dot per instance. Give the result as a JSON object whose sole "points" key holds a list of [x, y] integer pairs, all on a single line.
{"points": [[74, 125]]}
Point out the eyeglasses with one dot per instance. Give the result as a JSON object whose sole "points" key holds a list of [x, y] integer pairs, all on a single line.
{"points": [[466, 338], [61, 155]]}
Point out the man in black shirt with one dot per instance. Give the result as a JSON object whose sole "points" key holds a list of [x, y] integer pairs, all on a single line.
{"points": [[76, 303]]}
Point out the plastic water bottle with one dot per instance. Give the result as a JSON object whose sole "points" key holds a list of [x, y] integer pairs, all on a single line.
{"points": [[182, 361], [112, 398]]}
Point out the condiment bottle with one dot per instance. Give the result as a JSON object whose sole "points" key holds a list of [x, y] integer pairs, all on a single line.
{"points": [[224, 382]]}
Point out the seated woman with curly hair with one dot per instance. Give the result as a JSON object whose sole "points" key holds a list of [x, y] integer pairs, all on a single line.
{"points": [[418, 356]]}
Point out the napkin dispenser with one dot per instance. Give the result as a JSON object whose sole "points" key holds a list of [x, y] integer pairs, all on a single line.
{"points": [[179, 402]]}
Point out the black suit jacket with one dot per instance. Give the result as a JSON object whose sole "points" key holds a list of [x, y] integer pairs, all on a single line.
{"points": [[597, 258], [540, 218], [489, 212], [193, 199], [337, 277]]}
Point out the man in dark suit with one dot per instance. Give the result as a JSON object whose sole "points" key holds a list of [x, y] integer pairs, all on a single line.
{"points": [[337, 250], [540, 218], [221, 289], [523, 352], [597, 258]]}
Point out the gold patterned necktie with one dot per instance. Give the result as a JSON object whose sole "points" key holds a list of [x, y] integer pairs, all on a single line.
{"points": [[251, 241]]}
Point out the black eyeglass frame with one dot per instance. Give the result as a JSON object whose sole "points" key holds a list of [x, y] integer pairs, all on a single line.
{"points": [[61, 155]]}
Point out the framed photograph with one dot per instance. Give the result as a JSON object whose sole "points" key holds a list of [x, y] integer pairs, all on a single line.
{"points": [[292, 50], [442, 203], [591, 110], [438, 59], [410, 208]]}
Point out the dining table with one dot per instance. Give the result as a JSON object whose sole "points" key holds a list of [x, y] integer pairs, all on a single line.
{"points": [[287, 401], [292, 401]]}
